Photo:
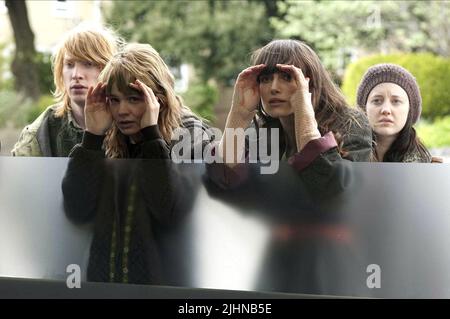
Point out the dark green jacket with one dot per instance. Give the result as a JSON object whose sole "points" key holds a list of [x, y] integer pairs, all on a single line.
{"points": [[322, 163]]}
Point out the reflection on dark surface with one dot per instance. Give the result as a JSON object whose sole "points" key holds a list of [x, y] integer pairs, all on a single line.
{"points": [[270, 234], [307, 232], [132, 204]]}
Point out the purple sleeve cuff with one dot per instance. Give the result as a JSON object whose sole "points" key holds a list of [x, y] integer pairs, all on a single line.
{"points": [[311, 151], [225, 176]]}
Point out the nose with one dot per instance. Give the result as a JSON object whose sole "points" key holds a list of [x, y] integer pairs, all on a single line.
{"points": [[275, 88], [77, 72], [123, 109], [386, 108]]}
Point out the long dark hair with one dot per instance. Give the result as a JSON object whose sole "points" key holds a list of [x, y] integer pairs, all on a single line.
{"points": [[328, 102], [406, 143]]}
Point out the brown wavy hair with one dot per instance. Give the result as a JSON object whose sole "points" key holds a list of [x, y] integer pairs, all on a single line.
{"points": [[142, 62]]}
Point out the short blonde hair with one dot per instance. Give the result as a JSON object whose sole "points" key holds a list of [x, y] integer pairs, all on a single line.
{"points": [[142, 62], [92, 42]]}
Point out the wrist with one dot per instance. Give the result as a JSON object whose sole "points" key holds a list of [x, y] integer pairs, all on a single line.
{"points": [[302, 101], [149, 119], [94, 131], [239, 119], [92, 141], [241, 114]]}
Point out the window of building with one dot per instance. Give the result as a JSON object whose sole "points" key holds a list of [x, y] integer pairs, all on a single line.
{"points": [[63, 9], [3, 9]]}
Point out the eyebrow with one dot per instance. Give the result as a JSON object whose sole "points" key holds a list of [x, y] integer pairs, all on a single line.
{"points": [[381, 95], [73, 59], [124, 94]]}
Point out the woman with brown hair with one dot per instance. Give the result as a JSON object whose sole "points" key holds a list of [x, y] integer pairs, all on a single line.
{"points": [[391, 97], [288, 89], [132, 113], [135, 102]]}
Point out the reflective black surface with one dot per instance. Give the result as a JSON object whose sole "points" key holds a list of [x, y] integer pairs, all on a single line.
{"points": [[272, 234]]}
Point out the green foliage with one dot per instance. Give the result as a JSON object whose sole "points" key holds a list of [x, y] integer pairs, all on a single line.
{"points": [[215, 37], [19, 111], [432, 74], [201, 98], [36, 109], [6, 79], [44, 65], [339, 29], [435, 134], [12, 107]]}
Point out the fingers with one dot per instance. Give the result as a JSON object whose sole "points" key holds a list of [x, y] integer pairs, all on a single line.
{"points": [[256, 69], [292, 70], [145, 90], [89, 92], [99, 89], [295, 72], [96, 94]]}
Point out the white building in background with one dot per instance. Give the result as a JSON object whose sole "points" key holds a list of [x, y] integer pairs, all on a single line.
{"points": [[50, 19]]}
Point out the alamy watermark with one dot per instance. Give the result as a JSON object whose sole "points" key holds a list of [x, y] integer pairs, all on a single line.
{"points": [[374, 279], [74, 279], [259, 149]]}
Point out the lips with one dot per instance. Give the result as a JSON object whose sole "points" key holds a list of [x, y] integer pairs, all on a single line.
{"points": [[125, 124], [386, 121], [276, 101], [78, 87]]}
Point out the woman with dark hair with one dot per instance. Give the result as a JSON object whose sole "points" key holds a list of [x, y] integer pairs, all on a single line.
{"points": [[288, 89], [391, 97]]}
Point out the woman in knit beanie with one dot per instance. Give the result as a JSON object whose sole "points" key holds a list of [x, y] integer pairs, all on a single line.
{"points": [[391, 98]]}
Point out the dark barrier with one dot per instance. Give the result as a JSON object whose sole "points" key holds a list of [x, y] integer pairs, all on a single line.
{"points": [[370, 230]]}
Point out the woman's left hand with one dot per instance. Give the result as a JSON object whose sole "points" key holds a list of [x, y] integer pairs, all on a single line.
{"points": [[152, 106], [301, 97], [306, 128]]}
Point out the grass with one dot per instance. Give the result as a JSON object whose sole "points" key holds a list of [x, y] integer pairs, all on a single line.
{"points": [[435, 134]]}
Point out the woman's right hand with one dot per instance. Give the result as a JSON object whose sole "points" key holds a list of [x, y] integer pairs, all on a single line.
{"points": [[246, 90], [246, 98], [98, 118]]}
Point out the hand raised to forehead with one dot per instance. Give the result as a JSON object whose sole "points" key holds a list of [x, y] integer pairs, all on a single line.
{"points": [[306, 128], [98, 118], [152, 106], [246, 91], [301, 97], [297, 75]]}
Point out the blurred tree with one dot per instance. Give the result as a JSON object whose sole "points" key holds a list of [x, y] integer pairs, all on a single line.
{"points": [[216, 37], [24, 65], [337, 28]]}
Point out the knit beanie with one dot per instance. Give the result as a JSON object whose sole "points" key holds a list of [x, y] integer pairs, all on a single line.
{"points": [[392, 73]]}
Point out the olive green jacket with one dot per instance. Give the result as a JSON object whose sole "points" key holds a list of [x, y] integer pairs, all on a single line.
{"points": [[49, 135]]}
